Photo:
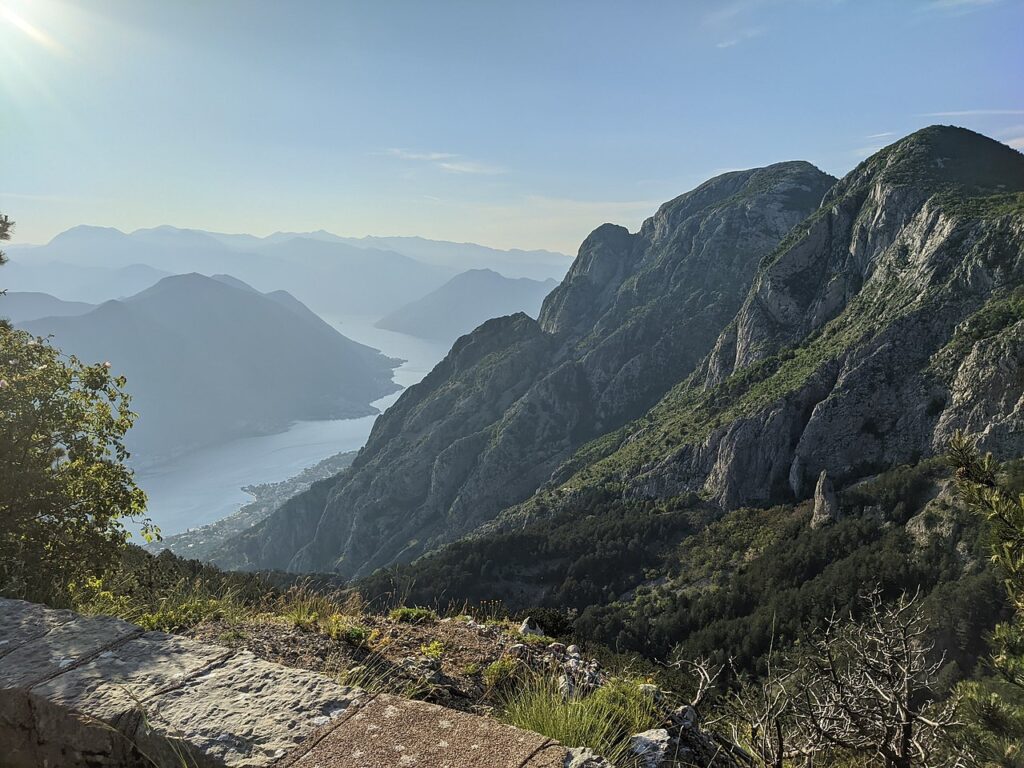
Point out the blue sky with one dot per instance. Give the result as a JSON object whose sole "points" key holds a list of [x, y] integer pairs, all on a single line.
{"points": [[513, 124]]}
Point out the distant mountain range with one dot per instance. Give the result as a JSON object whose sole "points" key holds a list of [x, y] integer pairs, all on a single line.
{"points": [[73, 281], [21, 307], [210, 358], [332, 274], [466, 301]]}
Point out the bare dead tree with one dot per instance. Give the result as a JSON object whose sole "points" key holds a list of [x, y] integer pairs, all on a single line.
{"points": [[866, 687], [764, 718]]}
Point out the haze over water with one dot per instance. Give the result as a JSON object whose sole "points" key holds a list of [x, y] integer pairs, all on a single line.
{"points": [[206, 485]]}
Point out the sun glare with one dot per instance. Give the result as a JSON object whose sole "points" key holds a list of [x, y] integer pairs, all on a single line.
{"points": [[31, 31]]}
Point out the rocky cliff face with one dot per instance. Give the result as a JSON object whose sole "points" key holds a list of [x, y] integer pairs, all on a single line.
{"points": [[889, 318], [739, 345], [839, 358], [515, 398]]}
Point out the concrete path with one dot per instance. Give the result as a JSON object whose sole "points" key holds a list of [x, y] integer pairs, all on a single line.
{"points": [[97, 691]]}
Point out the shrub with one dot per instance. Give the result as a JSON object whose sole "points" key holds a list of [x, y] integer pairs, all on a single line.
{"points": [[413, 615], [65, 486]]}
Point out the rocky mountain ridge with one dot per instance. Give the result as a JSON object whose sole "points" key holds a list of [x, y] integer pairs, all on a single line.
{"points": [[864, 333], [515, 398]]}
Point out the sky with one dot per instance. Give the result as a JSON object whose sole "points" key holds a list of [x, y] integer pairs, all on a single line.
{"points": [[512, 124]]}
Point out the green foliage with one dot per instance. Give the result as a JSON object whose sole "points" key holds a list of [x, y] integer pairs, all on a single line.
{"points": [[174, 609], [6, 225], [994, 706], [993, 714], [65, 490], [538, 641], [413, 615], [502, 672], [604, 720], [340, 627], [1001, 311], [433, 650]]}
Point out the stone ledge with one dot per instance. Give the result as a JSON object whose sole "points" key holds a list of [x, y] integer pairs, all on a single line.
{"points": [[97, 691]]}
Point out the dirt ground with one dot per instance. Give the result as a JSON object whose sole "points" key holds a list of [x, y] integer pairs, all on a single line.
{"points": [[439, 660]]}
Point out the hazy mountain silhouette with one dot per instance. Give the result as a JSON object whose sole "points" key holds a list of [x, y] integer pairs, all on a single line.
{"points": [[332, 274], [466, 301], [73, 281], [210, 359], [30, 305]]}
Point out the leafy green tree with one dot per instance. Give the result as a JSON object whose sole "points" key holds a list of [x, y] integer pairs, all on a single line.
{"points": [[994, 706], [65, 490]]}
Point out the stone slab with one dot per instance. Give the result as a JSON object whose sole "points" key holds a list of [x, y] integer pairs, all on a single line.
{"points": [[127, 676], [245, 711], [392, 732], [63, 646], [22, 622]]}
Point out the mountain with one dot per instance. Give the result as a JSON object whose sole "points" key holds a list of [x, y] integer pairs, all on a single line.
{"points": [[689, 398], [73, 281], [536, 265], [464, 302], [513, 400], [334, 275], [800, 459], [211, 359], [20, 307]]}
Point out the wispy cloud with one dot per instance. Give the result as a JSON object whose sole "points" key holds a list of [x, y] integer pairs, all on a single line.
{"points": [[1016, 142], [881, 135], [430, 157], [958, 6], [468, 166], [974, 113], [740, 36], [446, 161]]}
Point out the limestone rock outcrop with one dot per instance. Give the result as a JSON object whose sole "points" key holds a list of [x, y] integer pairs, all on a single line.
{"points": [[826, 503]]}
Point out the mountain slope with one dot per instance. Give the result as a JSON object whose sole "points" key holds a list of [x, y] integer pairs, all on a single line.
{"points": [[464, 302], [29, 305], [890, 318], [209, 360], [515, 398]]}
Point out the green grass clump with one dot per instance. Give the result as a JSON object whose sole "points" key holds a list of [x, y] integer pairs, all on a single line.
{"points": [[539, 641], [340, 627], [603, 720], [175, 608], [412, 615], [306, 608], [501, 673]]}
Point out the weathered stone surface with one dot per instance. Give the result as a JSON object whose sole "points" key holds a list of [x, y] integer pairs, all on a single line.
{"points": [[391, 731], [247, 711], [97, 692], [123, 677], [584, 757], [66, 644], [826, 503], [651, 747], [21, 622]]}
